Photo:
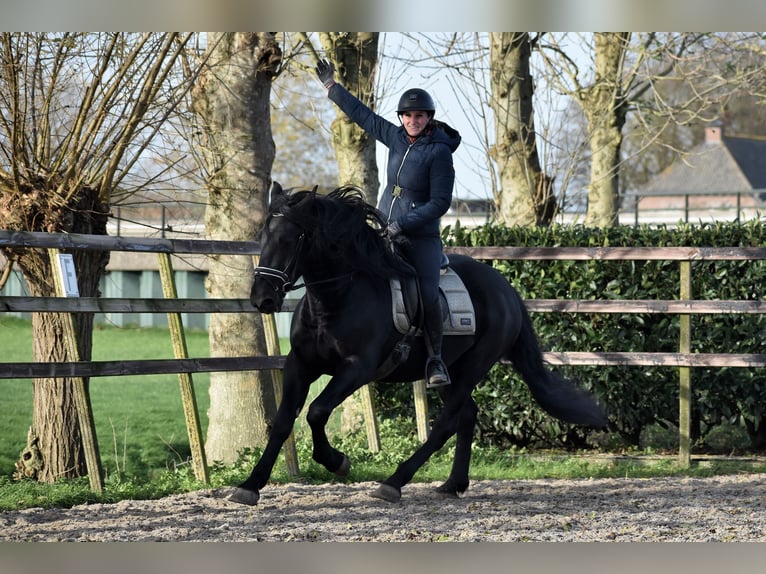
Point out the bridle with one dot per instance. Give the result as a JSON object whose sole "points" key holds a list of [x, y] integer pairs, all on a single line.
{"points": [[284, 277], [270, 273]]}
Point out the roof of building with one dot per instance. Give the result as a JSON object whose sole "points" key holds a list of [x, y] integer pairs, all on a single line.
{"points": [[720, 163]]}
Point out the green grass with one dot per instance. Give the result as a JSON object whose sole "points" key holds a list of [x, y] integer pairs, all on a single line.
{"points": [[139, 419], [144, 446]]}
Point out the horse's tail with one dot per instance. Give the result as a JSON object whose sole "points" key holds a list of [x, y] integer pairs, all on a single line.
{"points": [[558, 396]]}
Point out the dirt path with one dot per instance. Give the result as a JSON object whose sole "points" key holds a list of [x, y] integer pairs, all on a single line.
{"points": [[726, 508]]}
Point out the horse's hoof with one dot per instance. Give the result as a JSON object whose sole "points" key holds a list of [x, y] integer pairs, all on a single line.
{"points": [[387, 492], [244, 496], [447, 490], [345, 466]]}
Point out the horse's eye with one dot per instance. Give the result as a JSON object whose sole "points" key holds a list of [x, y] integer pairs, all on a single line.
{"points": [[271, 221]]}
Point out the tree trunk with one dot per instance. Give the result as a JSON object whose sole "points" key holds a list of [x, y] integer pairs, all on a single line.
{"points": [[604, 105], [55, 425], [355, 55], [232, 100], [526, 196]]}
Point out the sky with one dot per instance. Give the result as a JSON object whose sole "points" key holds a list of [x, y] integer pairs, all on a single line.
{"points": [[472, 179], [456, 106]]}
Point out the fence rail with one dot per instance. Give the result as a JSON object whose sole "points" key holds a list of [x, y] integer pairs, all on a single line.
{"points": [[137, 244], [696, 204], [684, 307], [149, 305], [137, 367]]}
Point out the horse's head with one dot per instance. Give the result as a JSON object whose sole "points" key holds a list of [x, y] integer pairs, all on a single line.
{"points": [[324, 238], [282, 243]]}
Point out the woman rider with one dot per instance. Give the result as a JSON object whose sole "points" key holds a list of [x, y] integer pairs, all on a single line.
{"points": [[420, 178]]}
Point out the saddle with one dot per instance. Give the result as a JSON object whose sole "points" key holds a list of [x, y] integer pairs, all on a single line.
{"points": [[456, 304], [457, 309]]}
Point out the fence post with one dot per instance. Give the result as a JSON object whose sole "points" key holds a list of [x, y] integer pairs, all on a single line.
{"points": [[370, 420], [684, 373], [421, 409], [188, 398], [272, 347], [739, 205], [81, 396]]}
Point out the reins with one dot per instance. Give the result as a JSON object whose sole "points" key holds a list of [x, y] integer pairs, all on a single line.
{"points": [[287, 286], [320, 281]]}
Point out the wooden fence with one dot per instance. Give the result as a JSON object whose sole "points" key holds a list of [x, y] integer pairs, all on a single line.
{"points": [[685, 306]]}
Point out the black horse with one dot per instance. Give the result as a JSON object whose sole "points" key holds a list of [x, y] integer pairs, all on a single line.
{"points": [[343, 327]]}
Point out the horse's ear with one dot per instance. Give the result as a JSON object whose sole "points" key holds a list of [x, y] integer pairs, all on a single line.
{"points": [[275, 192], [314, 191]]}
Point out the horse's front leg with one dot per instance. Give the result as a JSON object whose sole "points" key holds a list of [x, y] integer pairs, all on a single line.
{"points": [[340, 387], [295, 389]]}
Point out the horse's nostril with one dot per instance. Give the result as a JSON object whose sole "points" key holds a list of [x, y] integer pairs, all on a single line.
{"points": [[266, 305]]}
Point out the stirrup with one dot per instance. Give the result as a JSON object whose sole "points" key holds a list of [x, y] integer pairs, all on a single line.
{"points": [[438, 376]]}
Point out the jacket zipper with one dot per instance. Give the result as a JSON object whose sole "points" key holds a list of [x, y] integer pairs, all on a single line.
{"points": [[398, 190]]}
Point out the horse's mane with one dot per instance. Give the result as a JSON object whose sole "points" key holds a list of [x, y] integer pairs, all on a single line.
{"points": [[342, 227]]}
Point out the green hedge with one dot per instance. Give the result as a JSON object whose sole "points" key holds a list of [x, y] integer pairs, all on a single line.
{"points": [[637, 398]]}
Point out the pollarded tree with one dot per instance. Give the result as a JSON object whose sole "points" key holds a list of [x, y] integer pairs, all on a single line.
{"points": [[78, 112]]}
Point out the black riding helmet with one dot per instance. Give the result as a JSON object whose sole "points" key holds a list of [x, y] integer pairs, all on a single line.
{"points": [[416, 100]]}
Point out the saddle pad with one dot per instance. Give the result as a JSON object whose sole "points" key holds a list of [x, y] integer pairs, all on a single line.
{"points": [[460, 318]]}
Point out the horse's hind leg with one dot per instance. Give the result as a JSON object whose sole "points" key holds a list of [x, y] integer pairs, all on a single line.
{"points": [[445, 425], [458, 480]]}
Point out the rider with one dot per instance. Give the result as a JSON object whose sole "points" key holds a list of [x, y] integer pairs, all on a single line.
{"points": [[418, 192]]}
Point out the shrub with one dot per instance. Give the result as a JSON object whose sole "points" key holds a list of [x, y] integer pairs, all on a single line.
{"points": [[636, 397]]}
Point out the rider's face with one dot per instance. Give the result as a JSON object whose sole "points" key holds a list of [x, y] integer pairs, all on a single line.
{"points": [[415, 122]]}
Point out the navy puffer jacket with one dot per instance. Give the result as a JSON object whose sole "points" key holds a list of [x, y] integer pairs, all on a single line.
{"points": [[422, 169]]}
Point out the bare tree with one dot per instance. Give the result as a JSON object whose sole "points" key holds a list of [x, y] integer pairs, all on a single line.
{"points": [[232, 100], [355, 56], [617, 77], [719, 79], [79, 111], [527, 193]]}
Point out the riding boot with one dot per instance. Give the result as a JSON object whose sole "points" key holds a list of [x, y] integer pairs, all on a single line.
{"points": [[433, 330]]}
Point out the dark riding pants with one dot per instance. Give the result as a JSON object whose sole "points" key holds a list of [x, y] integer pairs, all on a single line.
{"points": [[425, 255]]}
